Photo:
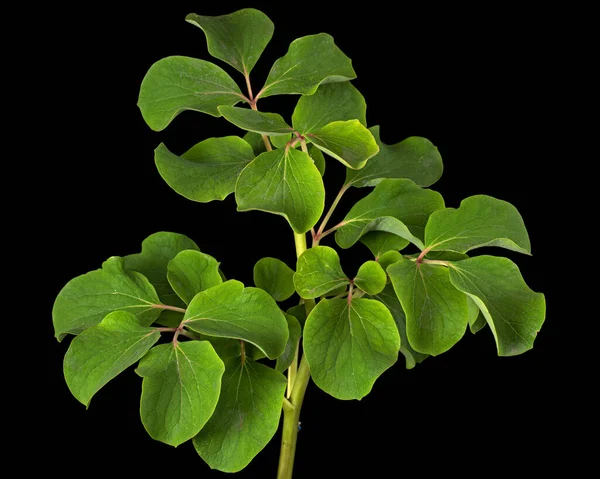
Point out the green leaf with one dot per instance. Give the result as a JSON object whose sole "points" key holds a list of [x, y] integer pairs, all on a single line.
{"points": [[389, 298], [180, 390], [191, 272], [379, 242], [246, 417], [101, 352], [331, 102], [231, 311], [175, 84], [286, 183], [479, 221], [207, 171], [318, 271], [275, 277], [238, 38], [388, 258], [309, 62], [281, 141], [87, 299], [317, 156], [256, 142], [436, 313], [349, 345], [298, 312], [336, 292], [371, 278], [414, 158], [346, 141], [396, 206], [514, 312], [157, 250], [284, 361], [256, 121]]}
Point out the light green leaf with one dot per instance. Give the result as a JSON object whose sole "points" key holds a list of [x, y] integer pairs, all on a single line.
{"points": [[281, 141], [298, 312], [389, 298], [256, 121], [371, 278], [191, 272], [479, 221], [284, 361], [388, 258], [317, 156], [513, 311], [180, 390], [379, 242], [231, 311], [246, 417], [87, 299], [101, 352], [175, 84], [414, 158], [238, 38], [309, 62], [436, 313], [346, 141], [286, 183], [318, 270], [206, 172], [396, 206], [349, 345], [256, 142], [275, 277], [331, 102]]}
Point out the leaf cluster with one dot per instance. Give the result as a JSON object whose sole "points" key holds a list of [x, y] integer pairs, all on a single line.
{"points": [[220, 381]]}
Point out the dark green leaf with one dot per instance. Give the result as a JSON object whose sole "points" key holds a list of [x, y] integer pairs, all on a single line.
{"points": [[175, 84], [275, 277], [286, 183], [231, 311], [514, 312], [414, 158], [238, 38], [479, 221], [318, 271], [436, 313], [388, 258], [256, 142], [476, 318], [284, 361], [191, 272], [331, 102], [206, 172], [256, 121], [299, 312], [348, 345], [246, 417], [396, 206], [281, 141], [310, 61], [389, 298], [346, 141], [157, 250], [180, 390], [380, 242], [371, 277], [101, 352], [87, 299], [317, 156]]}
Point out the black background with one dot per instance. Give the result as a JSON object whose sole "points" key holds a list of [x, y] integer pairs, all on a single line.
{"points": [[467, 80]]}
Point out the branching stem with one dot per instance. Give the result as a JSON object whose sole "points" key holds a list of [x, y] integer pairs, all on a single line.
{"points": [[337, 199], [170, 308]]}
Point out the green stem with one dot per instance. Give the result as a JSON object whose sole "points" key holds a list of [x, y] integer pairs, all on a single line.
{"points": [[298, 377], [329, 213], [291, 421]]}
